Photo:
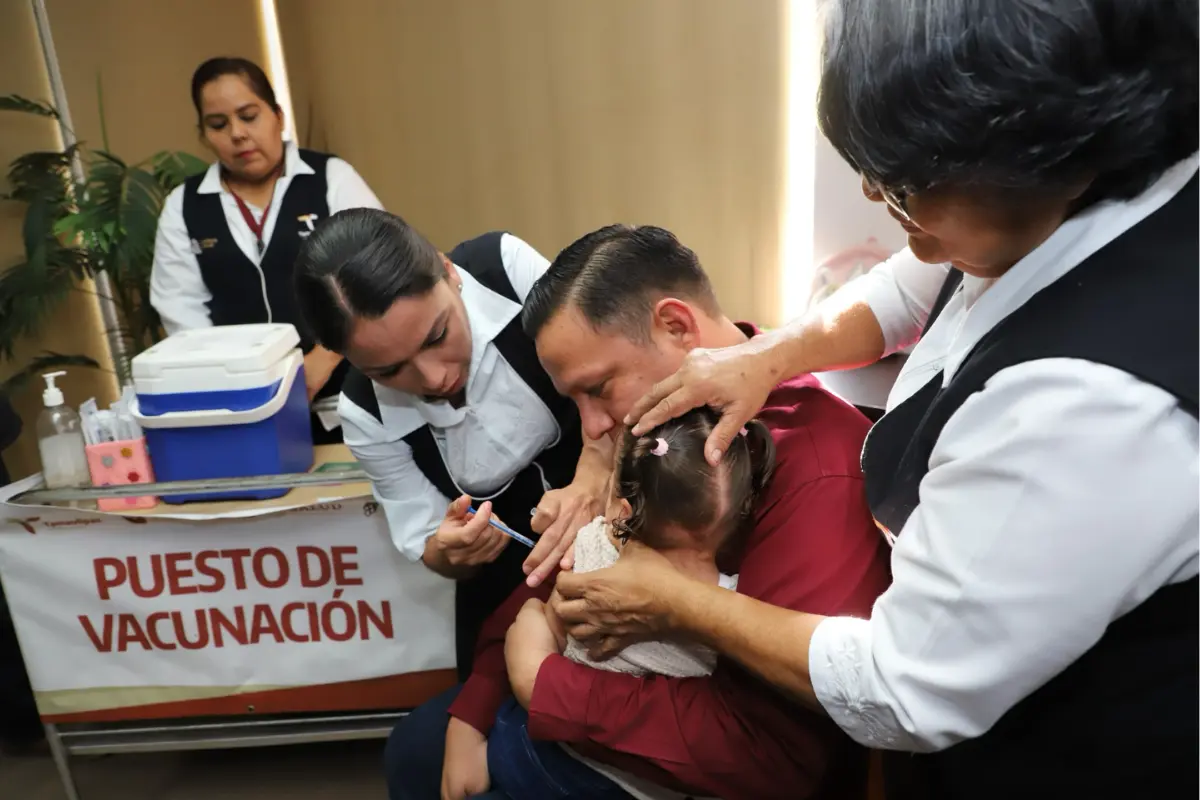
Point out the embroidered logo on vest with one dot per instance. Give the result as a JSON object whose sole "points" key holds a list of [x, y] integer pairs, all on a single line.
{"points": [[310, 221], [203, 244]]}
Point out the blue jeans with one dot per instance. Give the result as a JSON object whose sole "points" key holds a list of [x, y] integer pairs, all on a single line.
{"points": [[527, 770], [416, 749], [520, 769]]}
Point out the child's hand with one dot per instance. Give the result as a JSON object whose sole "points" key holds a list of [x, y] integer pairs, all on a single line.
{"points": [[464, 768]]}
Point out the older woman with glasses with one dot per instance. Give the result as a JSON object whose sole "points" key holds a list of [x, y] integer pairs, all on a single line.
{"points": [[1036, 470]]}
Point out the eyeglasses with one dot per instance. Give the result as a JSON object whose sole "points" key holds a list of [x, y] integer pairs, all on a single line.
{"points": [[896, 198]]}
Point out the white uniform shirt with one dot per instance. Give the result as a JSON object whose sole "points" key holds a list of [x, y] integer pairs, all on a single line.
{"points": [[1058, 498], [177, 289], [498, 432]]}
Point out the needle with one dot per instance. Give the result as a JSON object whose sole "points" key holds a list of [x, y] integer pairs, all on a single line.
{"points": [[507, 531]]}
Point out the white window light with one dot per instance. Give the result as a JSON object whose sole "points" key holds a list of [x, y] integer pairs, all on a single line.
{"points": [[801, 62], [276, 66]]}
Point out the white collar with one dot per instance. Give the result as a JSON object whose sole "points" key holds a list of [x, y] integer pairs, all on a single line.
{"points": [[1070, 245], [293, 164], [487, 315]]}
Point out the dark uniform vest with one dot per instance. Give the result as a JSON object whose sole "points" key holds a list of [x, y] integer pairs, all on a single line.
{"points": [[1122, 720], [478, 597], [233, 280]]}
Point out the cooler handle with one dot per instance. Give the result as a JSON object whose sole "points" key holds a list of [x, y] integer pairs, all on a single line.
{"points": [[223, 416]]}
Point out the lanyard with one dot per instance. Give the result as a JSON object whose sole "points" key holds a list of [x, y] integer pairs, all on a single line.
{"points": [[256, 226]]}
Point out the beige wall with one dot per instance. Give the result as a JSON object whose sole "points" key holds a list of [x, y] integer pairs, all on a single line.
{"points": [[145, 51], [551, 118]]}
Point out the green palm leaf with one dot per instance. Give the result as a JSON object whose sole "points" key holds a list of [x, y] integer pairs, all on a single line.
{"points": [[108, 222], [173, 168], [96, 221], [48, 360], [15, 102], [29, 294], [38, 231], [41, 174], [144, 198]]}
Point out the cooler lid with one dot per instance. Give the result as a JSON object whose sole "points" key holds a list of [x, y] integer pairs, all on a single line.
{"points": [[235, 350]]}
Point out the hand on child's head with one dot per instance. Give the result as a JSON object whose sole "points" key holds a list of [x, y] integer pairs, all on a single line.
{"points": [[667, 483]]}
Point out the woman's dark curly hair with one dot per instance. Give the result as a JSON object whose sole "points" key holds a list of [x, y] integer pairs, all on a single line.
{"points": [[680, 488], [1011, 96]]}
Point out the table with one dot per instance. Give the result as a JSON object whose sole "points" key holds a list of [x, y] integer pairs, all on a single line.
{"points": [[217, 625]]}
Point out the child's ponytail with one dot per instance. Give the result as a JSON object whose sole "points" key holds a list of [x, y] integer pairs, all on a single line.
{"points": [[760, 455]]}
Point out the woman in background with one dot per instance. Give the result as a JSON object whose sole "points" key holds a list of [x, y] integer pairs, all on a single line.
{"points": [[228, 238]]}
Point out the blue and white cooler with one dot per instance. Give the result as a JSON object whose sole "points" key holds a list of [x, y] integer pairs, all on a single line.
{"points": [[225, 402]]}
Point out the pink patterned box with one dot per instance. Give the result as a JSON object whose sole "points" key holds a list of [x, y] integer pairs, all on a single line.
{"points": [[117, 464]]}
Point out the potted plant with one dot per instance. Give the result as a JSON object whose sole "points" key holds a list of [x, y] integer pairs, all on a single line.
{"points": [[89, 215]]}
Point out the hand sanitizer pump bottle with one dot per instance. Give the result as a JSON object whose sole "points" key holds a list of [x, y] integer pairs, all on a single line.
{"points": [[60, 440]]}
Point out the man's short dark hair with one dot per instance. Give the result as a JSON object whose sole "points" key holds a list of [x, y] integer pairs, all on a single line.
{"points": [[356, 264], [1003, 95], [614, 276]]}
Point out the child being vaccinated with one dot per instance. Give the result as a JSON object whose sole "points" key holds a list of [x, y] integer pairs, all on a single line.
{"points": [[666, 496]]}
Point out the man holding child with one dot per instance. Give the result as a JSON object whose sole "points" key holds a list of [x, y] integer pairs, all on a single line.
{"points": [[616, 312]]}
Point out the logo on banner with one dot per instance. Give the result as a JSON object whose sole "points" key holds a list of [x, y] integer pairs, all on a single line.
{"points": [[26, 523]]}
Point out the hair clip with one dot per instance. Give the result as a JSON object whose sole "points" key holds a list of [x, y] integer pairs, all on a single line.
{"points": [[743, 432], [660, 447]]}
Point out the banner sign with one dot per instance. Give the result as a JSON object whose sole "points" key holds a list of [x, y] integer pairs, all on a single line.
{"points": [[115, 612]]}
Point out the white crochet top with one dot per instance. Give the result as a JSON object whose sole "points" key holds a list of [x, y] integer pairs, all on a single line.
{"points": [[594, 550]]}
